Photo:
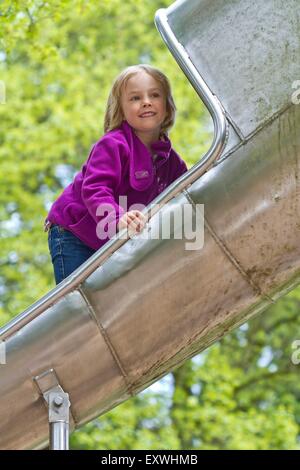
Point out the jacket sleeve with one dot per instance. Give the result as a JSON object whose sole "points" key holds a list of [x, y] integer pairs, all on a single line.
{"points": [[178, 167], [102, 177]]}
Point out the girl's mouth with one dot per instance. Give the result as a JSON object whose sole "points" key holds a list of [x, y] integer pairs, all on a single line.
{"points": [[147, 114]]}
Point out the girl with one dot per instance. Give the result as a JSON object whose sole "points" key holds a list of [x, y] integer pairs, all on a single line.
{"points": [[128, 167]]}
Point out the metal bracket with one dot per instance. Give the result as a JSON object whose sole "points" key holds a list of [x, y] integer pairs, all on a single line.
{"points": [[58, 404]]}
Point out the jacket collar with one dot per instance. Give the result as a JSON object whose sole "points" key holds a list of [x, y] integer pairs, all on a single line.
{"points": [[141, 162]]}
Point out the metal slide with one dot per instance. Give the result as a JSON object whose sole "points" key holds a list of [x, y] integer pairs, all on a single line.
{"points": [[139, 308]]}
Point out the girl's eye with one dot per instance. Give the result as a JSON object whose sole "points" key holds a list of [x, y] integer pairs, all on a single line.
{"points": [[155, 95], [134, 98]]}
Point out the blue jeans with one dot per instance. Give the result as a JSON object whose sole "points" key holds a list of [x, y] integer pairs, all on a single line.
{"points": [[67, 252]]}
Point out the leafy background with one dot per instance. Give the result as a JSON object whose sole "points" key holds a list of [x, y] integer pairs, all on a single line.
{"points": [[57, 62]]}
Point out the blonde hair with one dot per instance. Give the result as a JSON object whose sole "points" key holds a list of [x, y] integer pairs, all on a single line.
{"points": [[114, 113]]}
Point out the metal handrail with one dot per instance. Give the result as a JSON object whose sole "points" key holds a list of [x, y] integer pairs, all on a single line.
{"points": [[220, 135]]}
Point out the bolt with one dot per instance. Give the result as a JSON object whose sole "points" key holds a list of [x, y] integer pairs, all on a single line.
{"points": [[58, 401]]}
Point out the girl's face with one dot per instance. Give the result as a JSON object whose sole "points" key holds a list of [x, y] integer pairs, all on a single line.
{"points": [[144, 105]]}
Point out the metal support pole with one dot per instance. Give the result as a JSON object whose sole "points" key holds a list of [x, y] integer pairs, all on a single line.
{"points": [[58, 404]]}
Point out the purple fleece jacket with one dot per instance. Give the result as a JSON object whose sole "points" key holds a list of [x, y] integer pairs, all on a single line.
{"points": [[119, 164]]}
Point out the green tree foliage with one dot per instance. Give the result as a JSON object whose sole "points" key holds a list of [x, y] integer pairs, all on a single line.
{"points": [[58, 59]]}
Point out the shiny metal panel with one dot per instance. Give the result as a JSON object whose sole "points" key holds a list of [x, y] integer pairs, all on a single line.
{"points": [[252, 203], [155, 298], [247, 52]]}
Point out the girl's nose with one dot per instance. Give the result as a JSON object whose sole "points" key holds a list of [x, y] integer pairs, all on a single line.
{"points": [[146, 101]]}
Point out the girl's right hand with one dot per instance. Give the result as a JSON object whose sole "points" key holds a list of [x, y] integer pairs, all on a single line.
{"points": [[134, 221]]}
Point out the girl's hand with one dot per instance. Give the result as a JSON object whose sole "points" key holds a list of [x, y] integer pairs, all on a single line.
{"points": [[134, 221]]}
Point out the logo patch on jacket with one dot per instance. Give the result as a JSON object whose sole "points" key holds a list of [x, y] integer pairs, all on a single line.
{"points": [[141, 174]]}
